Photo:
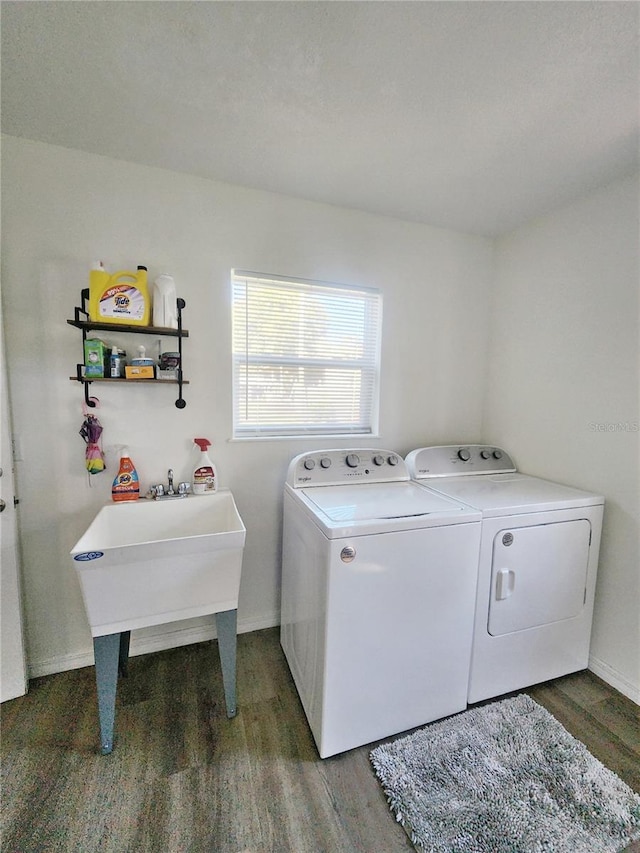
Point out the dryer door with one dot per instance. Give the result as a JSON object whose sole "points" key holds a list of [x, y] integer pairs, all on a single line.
{"points": [[538, 575]]}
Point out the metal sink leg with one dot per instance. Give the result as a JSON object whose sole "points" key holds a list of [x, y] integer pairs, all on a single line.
{"points": [[226, 626], [106, 650]]}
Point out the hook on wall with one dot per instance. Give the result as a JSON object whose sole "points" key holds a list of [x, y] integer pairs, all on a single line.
{"points": [[92, 402], [88, 401]]}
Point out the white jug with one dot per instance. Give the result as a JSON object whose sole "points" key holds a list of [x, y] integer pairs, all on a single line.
{"points": [[165, 308]]}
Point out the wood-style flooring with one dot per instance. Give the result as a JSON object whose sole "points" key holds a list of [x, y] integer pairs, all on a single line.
{"points": [[184, 779]]}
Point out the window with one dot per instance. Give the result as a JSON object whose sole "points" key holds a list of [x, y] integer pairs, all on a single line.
{"points": [[306, 357]]}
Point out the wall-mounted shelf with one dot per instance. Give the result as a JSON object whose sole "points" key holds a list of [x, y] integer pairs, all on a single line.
{"points": [[91, 379], [158, 331], [82, 321]]}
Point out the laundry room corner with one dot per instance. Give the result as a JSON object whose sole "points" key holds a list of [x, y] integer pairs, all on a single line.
{"points": [[563, 392]]}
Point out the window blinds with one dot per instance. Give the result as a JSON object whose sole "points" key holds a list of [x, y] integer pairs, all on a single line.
{"points": [[306, 357]]}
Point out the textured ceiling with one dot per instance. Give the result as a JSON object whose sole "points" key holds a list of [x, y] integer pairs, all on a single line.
{"points": [[471, 115]]}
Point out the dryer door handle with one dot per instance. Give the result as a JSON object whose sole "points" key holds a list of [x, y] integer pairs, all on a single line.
{"points": [[505, 583]]}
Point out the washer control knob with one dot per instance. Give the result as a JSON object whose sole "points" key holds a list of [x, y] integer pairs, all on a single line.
{"points": [[325, 462], [378, 460], [464, 455], [497, 454], [392, 460], [352, 460], [485, 454], [309, 464]]}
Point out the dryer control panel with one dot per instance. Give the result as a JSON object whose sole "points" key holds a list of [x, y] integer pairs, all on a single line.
{"points": [[339, 467], [456, 459]]}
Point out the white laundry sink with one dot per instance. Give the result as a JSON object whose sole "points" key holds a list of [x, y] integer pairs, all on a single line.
{"points": [[150, 562]]}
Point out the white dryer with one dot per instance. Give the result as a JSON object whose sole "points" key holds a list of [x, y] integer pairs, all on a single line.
{"points": [[378, 593], [537, 569]]}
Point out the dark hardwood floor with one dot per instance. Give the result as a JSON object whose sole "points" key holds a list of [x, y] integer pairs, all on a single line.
{"points": [[185, 778]]}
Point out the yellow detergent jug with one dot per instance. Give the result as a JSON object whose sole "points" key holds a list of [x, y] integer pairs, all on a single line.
{"points": [[119, 298]]}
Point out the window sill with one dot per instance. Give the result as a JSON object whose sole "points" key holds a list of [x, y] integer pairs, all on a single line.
{"points": [[363, 438]]}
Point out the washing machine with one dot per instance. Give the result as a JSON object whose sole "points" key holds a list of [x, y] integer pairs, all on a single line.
{"points": [[537, 567], [378, 594]]}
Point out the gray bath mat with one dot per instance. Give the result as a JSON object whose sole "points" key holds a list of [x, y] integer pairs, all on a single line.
{"points": [[505, 778]]}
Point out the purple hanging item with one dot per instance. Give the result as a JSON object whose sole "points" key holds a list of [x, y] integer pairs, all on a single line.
{"points": [[91, 430]]}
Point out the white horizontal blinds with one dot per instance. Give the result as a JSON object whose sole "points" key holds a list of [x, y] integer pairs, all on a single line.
{"points": [[306, 357]]}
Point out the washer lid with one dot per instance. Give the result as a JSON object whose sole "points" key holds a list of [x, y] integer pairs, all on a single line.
{"points": [[509, 494], [379, 501]]}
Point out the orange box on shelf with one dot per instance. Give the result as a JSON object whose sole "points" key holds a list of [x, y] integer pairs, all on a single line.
{"points": [[139, 372]]}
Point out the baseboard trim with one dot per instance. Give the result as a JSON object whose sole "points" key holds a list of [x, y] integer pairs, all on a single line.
{"points": [[168, 639], [145, 644], [614, 679]]}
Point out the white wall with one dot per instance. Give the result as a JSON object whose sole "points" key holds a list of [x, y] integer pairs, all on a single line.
{"points": [[564, 386], [62, 210]]}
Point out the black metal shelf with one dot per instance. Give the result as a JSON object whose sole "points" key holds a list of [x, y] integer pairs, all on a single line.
{"points": [[90, 379], [82, 321], [158, 331]]}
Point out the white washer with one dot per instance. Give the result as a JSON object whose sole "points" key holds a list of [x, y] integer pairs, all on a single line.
{"points": [[378, 592], [537, 569]]}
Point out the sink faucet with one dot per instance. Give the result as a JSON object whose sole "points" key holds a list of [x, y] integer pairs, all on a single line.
{"points": [[158, 492]]}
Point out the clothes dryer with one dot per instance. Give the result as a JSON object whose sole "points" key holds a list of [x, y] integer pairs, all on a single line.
{"points": [[378, 593], [537, 567]]}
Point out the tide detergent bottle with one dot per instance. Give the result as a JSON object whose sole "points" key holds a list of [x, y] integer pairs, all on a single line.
{"points": [[119, 298], [126, 485]]}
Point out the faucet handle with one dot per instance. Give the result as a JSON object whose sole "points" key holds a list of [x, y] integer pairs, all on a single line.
{"points": [[183, 488]]}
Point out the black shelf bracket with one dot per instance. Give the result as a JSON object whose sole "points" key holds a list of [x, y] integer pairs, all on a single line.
{"points": [[180, 402], [85, 382]]}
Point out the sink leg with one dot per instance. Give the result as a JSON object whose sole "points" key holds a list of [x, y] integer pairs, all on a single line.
{"points": [[226, 626], [106, 652], [123, 654]]}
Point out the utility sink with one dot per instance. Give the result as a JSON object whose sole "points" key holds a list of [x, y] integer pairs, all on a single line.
{"points": [[149, 562]]}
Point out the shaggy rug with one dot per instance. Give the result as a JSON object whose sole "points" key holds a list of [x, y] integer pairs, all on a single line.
{"points": [[505, 778]]}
